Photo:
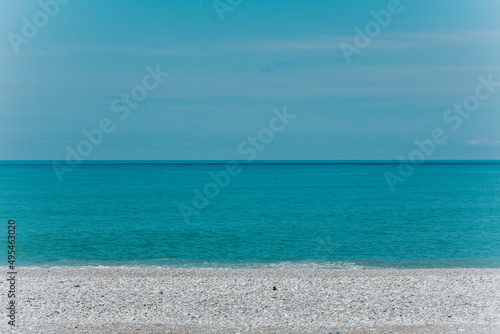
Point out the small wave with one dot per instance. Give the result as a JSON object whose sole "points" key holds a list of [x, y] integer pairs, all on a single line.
{"points": [[165, 263]]}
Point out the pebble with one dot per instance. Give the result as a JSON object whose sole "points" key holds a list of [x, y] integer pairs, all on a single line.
{"points": [[128, 300]]}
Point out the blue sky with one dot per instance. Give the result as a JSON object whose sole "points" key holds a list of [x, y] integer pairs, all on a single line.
{"points": [[226, 76]]}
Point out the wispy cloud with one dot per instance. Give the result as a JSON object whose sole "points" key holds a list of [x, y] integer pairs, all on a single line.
{"points": [[483, 141], [312, 43], [136, 50], [442, 38], [276, 66], [389, 40]]}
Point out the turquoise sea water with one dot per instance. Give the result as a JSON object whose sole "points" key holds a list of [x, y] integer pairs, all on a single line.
{"points": [[270, 215]]}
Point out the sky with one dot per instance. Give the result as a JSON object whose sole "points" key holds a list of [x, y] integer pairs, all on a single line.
{"points": [[234, 64]]}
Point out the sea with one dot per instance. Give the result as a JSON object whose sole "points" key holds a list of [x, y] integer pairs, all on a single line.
{"points": [[270, 214]]}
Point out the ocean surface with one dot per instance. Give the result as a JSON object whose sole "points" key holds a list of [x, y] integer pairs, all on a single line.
{"points": [[277, 215]]}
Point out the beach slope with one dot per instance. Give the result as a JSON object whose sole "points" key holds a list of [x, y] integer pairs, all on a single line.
{"points": [[165, 300]]}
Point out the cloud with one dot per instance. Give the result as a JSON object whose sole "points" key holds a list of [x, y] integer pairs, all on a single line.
{"points": [[388, 40], [313, 43], [483, 141], [276, 66]]}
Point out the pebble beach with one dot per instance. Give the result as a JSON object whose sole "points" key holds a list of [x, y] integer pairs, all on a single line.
{"points": [[167, 300]]}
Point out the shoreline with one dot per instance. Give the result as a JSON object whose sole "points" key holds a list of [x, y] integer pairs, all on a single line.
{"points": [[159, 300], [284, 265]]}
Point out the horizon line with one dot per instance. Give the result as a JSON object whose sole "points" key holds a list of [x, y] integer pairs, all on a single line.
{"points": [[255, 162]]}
